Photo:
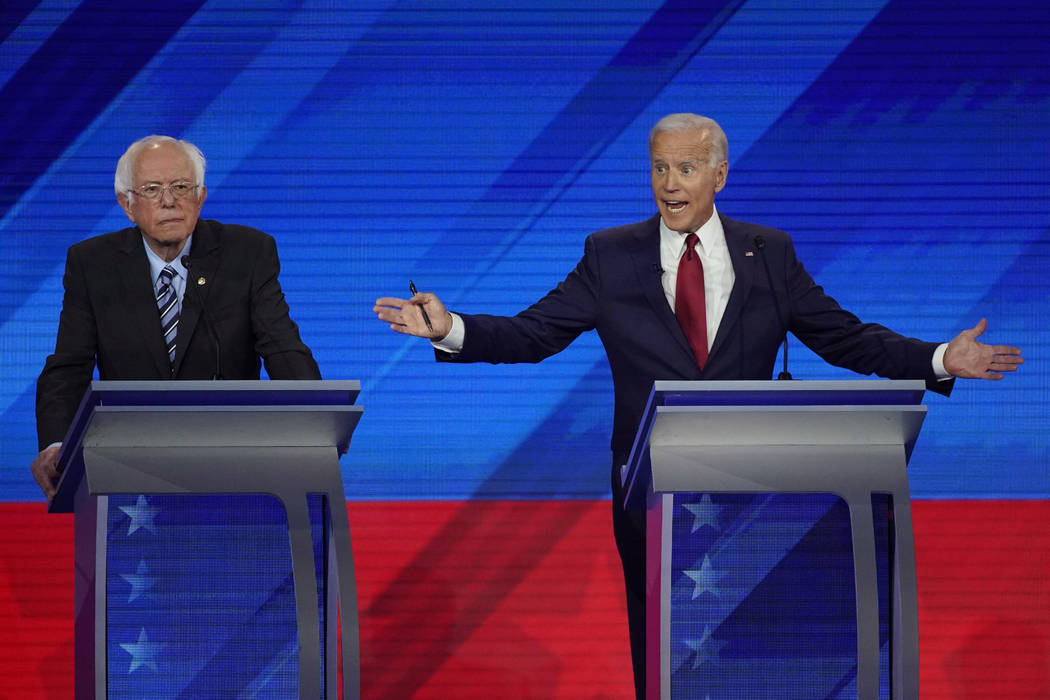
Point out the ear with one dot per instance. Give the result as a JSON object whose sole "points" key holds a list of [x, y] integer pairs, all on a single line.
{"points": [[125, 204], [720, 175], [204, 195]]}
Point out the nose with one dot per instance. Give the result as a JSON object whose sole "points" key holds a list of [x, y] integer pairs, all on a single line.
{"points": [[167, 197], [670, 181]]}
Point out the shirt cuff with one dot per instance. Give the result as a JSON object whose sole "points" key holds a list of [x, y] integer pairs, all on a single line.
{"points": [[453, 342], [938, 363]]}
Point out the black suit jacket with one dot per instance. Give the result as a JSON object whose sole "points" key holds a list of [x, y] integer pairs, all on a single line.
{"points": [[110, 318], [616, 290]]}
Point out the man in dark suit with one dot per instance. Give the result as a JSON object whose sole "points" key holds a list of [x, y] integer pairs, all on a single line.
{"points": [[671, 305], [214, 285]]}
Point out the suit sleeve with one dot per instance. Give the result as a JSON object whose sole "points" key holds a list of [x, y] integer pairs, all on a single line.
{"points": [[277, 340], [68, 371], [840, 338], [543, 329]]}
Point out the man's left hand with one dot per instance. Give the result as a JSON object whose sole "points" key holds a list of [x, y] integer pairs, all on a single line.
{"points": [[45, 471], [967, 357]]}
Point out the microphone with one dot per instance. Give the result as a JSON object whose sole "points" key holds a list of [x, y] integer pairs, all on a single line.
{"points": [[657, 269], [188, 264], [760, 243]]}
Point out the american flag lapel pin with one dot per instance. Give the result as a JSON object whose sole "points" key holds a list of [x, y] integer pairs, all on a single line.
{"points": [[749, 253]]}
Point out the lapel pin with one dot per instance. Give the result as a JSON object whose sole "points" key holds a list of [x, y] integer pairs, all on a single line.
{"points": [[749, 253], [201, 281]]}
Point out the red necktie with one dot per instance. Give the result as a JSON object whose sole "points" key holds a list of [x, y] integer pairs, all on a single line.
{"points": [[689, 305]]}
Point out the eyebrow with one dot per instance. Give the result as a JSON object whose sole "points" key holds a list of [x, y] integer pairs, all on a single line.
{"points": [[687, 161]]}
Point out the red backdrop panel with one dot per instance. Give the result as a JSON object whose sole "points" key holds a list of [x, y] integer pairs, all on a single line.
{"points": [[523, 599]]}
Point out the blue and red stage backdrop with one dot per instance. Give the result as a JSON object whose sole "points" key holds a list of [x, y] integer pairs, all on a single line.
{"points": [[471, 149]]}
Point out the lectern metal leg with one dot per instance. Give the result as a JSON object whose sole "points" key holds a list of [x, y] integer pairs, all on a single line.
{"points": [[343, 570], [905, 659], [867, 591], [305, 598], [658, 597], [90, 595]]}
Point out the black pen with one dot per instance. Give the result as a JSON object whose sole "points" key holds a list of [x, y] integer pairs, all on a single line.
{"points": [[426, 319]]}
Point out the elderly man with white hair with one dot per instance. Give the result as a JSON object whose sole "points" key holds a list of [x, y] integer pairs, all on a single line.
{"points": [[172, 297]]}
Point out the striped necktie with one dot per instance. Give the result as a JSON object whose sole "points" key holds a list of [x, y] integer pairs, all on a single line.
{"points": [[168, 304]]}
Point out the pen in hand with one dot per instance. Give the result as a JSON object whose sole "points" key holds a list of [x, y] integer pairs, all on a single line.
{"points": [[426, 319]]}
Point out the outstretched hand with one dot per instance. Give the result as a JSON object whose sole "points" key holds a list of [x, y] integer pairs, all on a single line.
{"points": [[969, 358], [406, 315]]}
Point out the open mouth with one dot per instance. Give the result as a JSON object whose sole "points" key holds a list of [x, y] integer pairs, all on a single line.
{"points": [[676, 207]]}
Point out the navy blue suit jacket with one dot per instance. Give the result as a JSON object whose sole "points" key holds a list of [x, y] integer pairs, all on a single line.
{"points": [[616, 289], [109, 318]]}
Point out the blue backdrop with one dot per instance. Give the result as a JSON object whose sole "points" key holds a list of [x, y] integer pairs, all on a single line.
{"points": [[902, 143]]}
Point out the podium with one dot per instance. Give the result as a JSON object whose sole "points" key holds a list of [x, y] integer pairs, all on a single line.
{"points": [[278, 441], [848, 438]]}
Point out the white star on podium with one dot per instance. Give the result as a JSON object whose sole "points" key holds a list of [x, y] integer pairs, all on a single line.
{"points": [[142, 515], [143, 652], [705, 649], [140, 581], [705, 578], [704, 513]]}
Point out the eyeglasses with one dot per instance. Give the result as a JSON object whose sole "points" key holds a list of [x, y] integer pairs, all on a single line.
{"points": [[154, 192]]}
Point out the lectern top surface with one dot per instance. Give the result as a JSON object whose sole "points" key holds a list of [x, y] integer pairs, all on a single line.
{"points": [[789, 393], [276, 392]]}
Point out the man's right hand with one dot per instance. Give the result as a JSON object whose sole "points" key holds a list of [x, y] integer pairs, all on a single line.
{"points": [[405, 315], [45, 470]]}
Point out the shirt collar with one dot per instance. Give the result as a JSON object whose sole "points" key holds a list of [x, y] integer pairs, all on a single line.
{"points": [[711, 235], [157, 264]]}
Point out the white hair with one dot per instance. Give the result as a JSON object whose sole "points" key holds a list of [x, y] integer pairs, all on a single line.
{"points": [[685, 121], [122, 181]]}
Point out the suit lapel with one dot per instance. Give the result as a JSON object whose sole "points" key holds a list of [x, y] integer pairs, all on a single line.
{"points": [[204, 257], [134, 274], [645, 254], [744, 257]]}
